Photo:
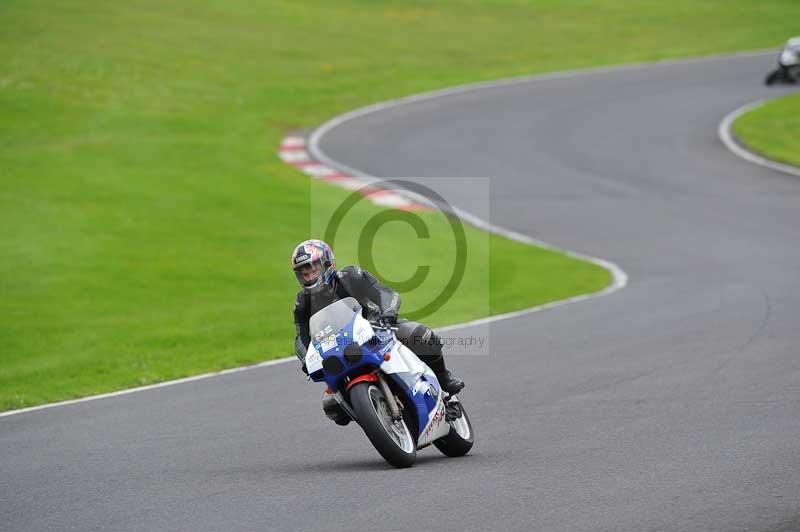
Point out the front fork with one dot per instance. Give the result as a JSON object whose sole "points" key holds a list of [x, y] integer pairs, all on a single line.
{"points": [[394, 409], [391, 401]]}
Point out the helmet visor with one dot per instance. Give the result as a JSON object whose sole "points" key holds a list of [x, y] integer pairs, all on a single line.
{"points": [[309, 273]]}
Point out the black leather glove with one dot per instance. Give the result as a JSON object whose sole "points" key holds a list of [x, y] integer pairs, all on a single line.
{"points": [[389, 320]]}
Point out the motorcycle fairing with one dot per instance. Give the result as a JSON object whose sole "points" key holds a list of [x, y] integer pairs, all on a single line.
{"points": [[333, 344], [416, 379], [422, 390]]}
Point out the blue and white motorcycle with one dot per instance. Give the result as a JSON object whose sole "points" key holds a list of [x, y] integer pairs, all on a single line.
{"points": [[383, 386]]}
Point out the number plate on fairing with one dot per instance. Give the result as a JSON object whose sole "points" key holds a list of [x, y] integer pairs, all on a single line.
{"points": [[313, 361]]}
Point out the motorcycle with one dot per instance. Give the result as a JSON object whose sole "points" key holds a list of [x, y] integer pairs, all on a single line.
{"points": [[383, 386], [788, 70]]}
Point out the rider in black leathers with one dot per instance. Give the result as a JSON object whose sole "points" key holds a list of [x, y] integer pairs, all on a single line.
{"points": [[379, 303]]}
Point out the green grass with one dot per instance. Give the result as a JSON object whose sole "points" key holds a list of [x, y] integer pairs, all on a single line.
{"points": [[773, 129], [145, 220]]}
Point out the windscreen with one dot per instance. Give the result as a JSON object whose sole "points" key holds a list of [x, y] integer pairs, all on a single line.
{"points": [[336, 315]]}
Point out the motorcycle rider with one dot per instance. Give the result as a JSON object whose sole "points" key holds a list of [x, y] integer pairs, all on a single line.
{"points": [[788, 64], [314, 266], [790, 58]]}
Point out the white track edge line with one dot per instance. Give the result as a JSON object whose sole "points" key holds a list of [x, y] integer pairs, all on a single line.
{"points": [[149, 386], [620, 278], [725, 133], [618, 275], [318, 133]]}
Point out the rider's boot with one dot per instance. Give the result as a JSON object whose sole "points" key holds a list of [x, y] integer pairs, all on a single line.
{"points": [[449, 382], [427, 345], [333, 410]]}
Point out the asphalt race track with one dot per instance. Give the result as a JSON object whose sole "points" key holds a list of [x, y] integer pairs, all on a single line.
{"points": [[671, 405]]}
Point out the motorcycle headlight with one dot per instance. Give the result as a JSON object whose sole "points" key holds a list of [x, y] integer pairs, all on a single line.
{"points": [[352, 353], [332, 365]]}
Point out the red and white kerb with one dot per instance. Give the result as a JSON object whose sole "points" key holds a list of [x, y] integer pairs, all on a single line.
{"points": [[293, 152]]}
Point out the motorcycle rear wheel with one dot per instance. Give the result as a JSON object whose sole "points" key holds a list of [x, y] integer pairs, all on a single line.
{"points": [[460, 439], [392, 439]]}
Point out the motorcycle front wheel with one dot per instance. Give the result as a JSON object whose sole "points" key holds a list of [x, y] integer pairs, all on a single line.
{"points": [[392, 439], [773, 77]]}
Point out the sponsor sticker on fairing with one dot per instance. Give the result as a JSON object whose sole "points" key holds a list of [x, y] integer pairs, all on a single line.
{"points": [[329, 343]]}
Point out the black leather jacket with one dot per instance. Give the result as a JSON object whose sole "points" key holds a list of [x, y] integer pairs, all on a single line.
{"points": [[376, 300]]}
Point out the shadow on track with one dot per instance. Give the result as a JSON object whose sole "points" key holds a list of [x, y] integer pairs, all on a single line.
{"points": [[365, 464]]}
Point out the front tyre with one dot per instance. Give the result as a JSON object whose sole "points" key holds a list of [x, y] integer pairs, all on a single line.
{"points": [[461, 437], [392, 439], [773, 77]]}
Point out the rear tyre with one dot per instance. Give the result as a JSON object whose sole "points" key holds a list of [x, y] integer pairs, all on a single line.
{"points": [[460, 439], [392, 439]]}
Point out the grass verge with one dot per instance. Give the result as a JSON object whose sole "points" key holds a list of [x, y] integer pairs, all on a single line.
{"points": [[773, 129], [145, 217]]}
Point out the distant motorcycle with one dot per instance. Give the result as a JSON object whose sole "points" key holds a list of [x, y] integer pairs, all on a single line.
{"points": [[788, 70], [383, 386]]}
